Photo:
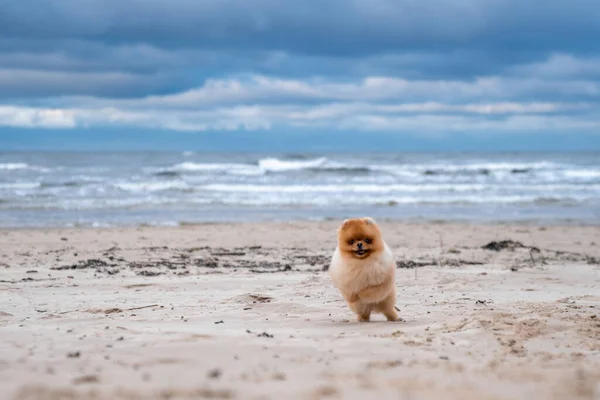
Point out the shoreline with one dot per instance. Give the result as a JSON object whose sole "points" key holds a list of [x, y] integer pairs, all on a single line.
{"points": [[533, 222]]}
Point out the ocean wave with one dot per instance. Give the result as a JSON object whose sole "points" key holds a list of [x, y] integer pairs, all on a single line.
{"points": [[467, 171], [167, 174], [13, 166], [582, 173], [504, 166], [433, 169], [263, 166], [276, 165], [272, 165], [358, 188], [391, 200], [279, 200], [152, 186], [77, 182], [388, 188], [69, 204], [21, 166], [51, 187], [322, 164], [19, 185], [66, 184], [226, 168]]}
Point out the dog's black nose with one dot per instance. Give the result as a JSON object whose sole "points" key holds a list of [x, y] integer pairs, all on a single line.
{"points": [[359, 245]]}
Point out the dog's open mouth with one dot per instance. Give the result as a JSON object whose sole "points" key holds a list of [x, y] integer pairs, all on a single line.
{"points": [[361, 252]]}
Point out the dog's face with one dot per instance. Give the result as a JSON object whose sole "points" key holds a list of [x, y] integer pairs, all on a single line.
{"points": [[359, 238]]}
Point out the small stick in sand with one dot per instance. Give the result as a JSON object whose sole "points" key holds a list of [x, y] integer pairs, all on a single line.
{"points": [[114, 309], [532, 259], [139, 308]]}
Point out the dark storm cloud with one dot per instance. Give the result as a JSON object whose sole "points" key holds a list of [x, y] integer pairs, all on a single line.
{"points": [[312, 27], [191, 41]]}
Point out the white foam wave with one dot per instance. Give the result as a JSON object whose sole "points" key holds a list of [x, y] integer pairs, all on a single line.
{"points": [[13, 166], [503, 166], [582, 173], [359, 188], [151, 186], [390, 188], [358, 200], [21, 166], [229, 168], [417, 170], [265, 165], [307, 199], [19, 185], [277, 165], [100, 203]]}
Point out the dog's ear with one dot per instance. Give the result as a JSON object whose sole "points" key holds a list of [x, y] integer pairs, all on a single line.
{"points": [[344, 224], [369, 221]]}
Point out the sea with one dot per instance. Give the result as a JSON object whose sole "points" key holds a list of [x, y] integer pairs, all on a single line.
{"points": [[100, 189]]}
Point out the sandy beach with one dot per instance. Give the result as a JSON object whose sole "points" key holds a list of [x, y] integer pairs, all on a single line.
{"points": [[246, 311]]}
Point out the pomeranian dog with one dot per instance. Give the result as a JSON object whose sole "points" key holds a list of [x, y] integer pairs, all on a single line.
{"points": [[363, 270]]}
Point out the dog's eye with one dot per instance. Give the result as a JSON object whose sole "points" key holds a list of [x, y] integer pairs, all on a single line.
{"points": [[368, 241], [351, 242]]}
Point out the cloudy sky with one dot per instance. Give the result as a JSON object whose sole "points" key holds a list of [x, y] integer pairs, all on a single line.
{"points": [[461, 74]]}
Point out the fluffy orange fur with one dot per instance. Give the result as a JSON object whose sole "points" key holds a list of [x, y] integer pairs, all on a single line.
{"points": [[363, 269]]}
